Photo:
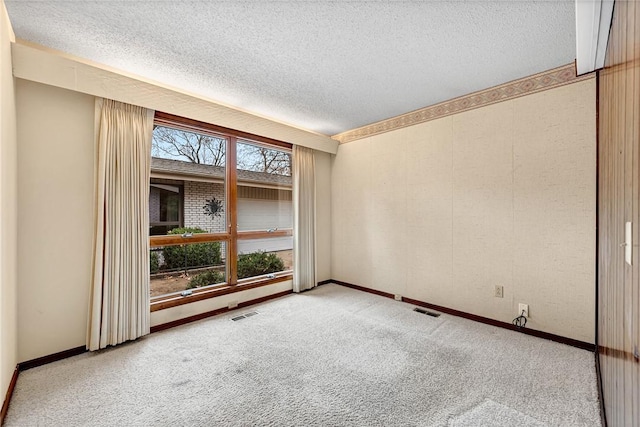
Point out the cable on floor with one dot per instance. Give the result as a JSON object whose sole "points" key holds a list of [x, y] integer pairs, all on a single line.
{"points": [[520, 321]]}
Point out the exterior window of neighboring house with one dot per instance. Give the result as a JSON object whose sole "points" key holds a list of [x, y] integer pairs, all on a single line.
{"points": [[165, 207], [220, 211]]}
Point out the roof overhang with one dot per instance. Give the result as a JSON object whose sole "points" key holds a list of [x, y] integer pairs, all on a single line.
{"points": [[204, 178]]}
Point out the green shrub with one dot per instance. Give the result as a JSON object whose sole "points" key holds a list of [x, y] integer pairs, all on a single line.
{"points": [[258, 263], [154, 262], [194, 255], [207, 278]]}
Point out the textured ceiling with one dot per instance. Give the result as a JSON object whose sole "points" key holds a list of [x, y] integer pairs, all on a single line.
{"points": [[324, 66]]}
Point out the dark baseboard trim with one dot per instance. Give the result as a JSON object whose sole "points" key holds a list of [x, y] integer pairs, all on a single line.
{"points": [[363, 289], [23, 366], [7, 398], [201, 316], [546, 335], [324, 282], [603, 414]]}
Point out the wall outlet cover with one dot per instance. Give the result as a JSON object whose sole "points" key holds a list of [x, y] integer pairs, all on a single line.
{"points": [[498, 291], [397, 297], [523, 309]]}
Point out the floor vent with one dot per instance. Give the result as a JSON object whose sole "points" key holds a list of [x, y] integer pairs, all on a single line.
{"points": [[244, 316], [427, 312]]}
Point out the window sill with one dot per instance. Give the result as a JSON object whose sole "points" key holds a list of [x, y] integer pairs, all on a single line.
{"points": [[174, 300]]}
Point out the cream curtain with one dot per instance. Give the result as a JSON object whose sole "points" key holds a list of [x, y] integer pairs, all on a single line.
{"points": [[304, 219], [119, 306]]}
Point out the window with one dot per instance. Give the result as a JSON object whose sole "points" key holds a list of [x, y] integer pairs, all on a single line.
{"points": [[264, 206], [165, 206], [220, 211]]}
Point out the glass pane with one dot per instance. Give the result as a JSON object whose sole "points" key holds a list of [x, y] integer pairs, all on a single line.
{"points": [[190, 266], [204, 207], [170, 206], [165, 206], [159, 230], [264, 188], [189, 147], [190, 206], [259, 257], [187, 182]]}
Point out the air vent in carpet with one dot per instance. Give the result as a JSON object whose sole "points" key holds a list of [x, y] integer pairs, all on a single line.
{"points": [[244, 316], [427, 312]]}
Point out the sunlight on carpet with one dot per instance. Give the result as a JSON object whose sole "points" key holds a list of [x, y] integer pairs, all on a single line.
{"points": [[492, 414], [331, 356]]}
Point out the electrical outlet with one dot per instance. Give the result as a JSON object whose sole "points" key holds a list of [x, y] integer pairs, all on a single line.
{"points": [[498, 292], [397, 297], [233, 304], [523, 309]]}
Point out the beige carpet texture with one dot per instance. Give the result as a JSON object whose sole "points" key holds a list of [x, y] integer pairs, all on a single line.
{"points": [[332, 356]]}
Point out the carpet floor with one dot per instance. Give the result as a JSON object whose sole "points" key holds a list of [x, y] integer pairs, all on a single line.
{"points": [[328, 357]]}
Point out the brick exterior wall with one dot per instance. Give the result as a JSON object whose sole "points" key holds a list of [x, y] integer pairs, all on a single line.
{"points": [[196, 195], [154, 205]]}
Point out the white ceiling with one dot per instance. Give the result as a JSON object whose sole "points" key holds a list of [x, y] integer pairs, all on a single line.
{"points": [[324, 66]]}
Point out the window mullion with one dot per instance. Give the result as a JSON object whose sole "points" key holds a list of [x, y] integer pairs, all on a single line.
{"points": [[259, 234], [232, 211]]}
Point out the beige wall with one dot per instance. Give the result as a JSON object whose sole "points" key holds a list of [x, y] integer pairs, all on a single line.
{"points": [[323, 215], [8, 210], [501, 195], [55, 206]]}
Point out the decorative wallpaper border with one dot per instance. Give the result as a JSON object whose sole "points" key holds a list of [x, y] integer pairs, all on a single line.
{"points": [[536, 83]]}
